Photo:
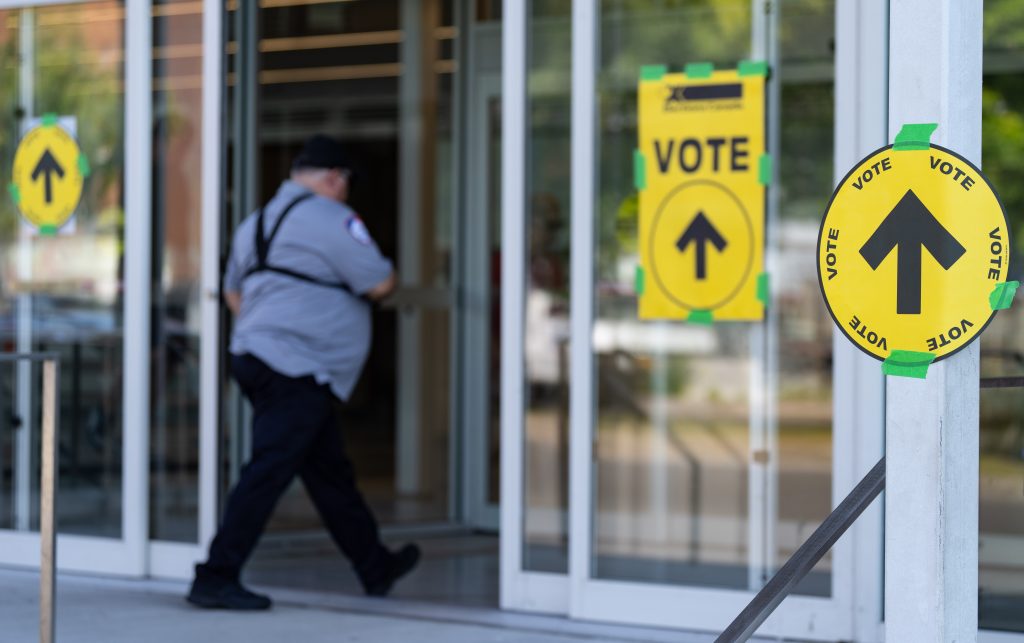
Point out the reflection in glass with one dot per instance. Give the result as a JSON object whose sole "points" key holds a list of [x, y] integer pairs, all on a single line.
{"points": [[177, 167], [673, 403], [804, 328], [63, 292], [1001, 510], [546, 328], [676, 403]]}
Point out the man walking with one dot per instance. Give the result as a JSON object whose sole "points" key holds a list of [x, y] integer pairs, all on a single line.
{"points": [[300, 278]]}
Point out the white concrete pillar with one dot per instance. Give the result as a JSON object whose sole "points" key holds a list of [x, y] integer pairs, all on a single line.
{"points": [[931, 515]]}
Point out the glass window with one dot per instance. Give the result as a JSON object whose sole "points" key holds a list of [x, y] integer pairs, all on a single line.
{"points": [[1001, 510], [177, 211], [676, 402], [803, 327], [546, 328], [672, 417], [62, 291]]}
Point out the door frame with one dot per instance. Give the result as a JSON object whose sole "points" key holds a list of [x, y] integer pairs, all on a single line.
{"points": [[175, 559], [477, 285], [520, 589], [127, 555]]}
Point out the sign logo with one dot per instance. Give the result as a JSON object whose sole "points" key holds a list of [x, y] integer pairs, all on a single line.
{"points": [[48, 176], [702, 202], [695, 96], [910, 249]]}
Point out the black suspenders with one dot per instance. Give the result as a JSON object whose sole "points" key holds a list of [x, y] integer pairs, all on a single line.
{"points": [[263, 250]]}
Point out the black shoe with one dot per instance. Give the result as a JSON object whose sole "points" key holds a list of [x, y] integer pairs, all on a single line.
{"points": [[215, 593], [402, 562]]}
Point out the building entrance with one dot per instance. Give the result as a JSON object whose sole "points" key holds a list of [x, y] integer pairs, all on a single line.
{"points": [[402, 84]]}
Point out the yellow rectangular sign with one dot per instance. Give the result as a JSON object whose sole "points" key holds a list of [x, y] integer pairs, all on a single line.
{"points": [[701, 171]]}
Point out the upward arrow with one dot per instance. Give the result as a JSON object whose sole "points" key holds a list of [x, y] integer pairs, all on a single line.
{"points": [[47, 167], [911, 226], [700, 232]]}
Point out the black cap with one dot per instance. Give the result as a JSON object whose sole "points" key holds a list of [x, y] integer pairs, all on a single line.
{"points": [[322, 152]]}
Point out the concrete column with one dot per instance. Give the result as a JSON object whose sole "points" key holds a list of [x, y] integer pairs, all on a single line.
{"points": [[931, 516]]}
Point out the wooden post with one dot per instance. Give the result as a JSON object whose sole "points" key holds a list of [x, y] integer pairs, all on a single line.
{"points": [[47, 505]]}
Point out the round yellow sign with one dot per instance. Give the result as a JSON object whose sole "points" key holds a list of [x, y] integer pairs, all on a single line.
{"points": [[701, 245], [910, 248], [47, 178]]}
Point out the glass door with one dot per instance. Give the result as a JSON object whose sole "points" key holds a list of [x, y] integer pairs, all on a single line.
{"points": [[75, 234], [187, 198], [703, 455], [384, 79], [700, 457], [479, 350]]}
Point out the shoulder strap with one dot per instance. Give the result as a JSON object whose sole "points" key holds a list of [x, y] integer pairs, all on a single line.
{"points": [[263, 250], [262, 241]]}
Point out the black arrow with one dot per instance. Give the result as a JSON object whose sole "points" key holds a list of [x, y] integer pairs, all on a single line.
{"points": [[700, 232], [911, 226], [48, 166]]}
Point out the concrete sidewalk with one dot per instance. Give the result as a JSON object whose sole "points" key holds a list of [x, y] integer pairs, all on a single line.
{"points": [[98, 610]]}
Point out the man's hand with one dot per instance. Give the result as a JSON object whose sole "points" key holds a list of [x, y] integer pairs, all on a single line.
{"points": [[383, 289], [234, 302]]}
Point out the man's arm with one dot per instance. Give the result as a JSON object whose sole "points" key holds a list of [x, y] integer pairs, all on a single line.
{"points": [[232, 284], [234, 302], [384, 288]]}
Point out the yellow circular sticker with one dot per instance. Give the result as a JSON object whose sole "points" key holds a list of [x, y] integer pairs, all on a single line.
{"points": [[47, 178], [911, 247], [701, 245]]}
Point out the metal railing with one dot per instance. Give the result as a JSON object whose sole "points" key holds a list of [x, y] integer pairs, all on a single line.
{"points": [[826, 535], [805, 558], [47, 488]]}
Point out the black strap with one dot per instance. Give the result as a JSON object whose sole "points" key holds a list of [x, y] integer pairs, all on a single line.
{"points": [[308, 278], [263, 243], [263, 251]]}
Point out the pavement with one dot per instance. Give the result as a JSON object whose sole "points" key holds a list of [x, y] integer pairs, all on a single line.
{"points": [[104, 610]]}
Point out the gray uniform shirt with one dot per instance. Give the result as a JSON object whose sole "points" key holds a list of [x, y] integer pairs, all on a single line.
{"points": [[296, 327]]}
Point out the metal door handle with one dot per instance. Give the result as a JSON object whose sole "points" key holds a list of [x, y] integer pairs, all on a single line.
{"points": [[407, 299]]}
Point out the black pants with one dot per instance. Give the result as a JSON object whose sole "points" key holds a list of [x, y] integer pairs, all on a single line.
{"points": [[294, 433]]}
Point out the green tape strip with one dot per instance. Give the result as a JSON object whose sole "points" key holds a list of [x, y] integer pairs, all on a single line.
{"points": [[752, 68], [639, 170], [15, 193], [639, 285], [653, 72], [764, 293], [47, 231], [1003, 294], [914, 136], [83, 166], [701, 317], [699, 70], [764, 169], [908, 364], [49, 120]]}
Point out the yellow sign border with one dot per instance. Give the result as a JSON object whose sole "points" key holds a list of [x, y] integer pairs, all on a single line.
{"points": [[745, 302]]}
